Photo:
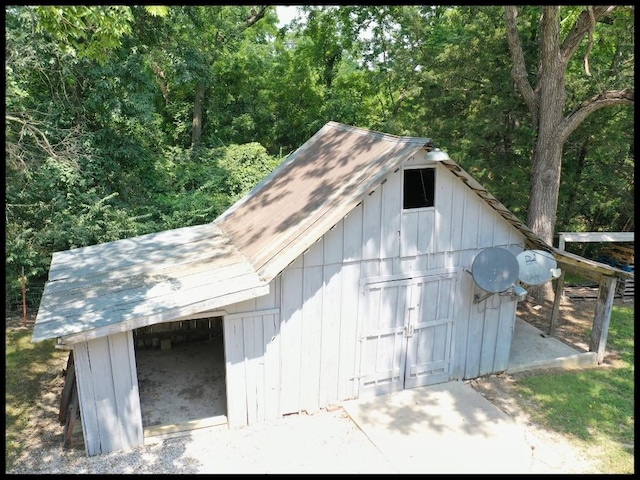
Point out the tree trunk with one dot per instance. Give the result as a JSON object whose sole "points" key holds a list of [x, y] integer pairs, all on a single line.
{"points": [[196, 133], [547, 159]]}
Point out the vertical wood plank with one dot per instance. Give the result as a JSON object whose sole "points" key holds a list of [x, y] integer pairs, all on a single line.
{"points": [[437, 261], [290, 340], [487, 223], [311, 338], [386, 266], [463, 302], [102, 379], [352, 234], [315, 255], [470, 223], [333, 249], [502, 232], [348, 314], [258, 360], [86, 397], [371, 225], [271, 300], [235, 373], [444, 202], [409, 234], [489, 334], [425, 232], [125, 385], [459, 204], [555, 311], [250, 368], [271, 329], [390, 216], [504, 334], [297, 263], [254, 358], [474, 339], [135, 396], [330, 335]]}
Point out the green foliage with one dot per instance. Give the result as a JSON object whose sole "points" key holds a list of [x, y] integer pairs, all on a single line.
{"points": [[203, 183], [89, 32], [157, 10], [599, 153], [55, 207]]}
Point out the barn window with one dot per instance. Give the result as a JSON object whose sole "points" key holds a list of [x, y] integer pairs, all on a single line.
{"points": [[419, 188]]}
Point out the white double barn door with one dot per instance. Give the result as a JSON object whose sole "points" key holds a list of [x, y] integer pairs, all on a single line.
{"points": [[407, 333]]}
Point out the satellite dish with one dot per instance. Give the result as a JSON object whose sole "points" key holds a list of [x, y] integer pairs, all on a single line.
{"points": [[494, 269], [536, 267]]}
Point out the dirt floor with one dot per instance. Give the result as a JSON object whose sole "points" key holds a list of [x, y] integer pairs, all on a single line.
{"points": [[574, 321], [182, 384]]}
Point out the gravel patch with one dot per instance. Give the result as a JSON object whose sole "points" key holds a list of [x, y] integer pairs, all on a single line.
{"points": [[326, 442]]}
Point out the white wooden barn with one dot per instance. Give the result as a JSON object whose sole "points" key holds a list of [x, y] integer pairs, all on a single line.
{"points": [[344, 274]]}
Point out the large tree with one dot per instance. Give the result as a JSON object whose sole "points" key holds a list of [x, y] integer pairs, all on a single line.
{"points": [[545, 95], [546, 98]]}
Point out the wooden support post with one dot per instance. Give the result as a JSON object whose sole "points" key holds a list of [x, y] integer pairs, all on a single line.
{"points": [[556, 304], [69, 386], [602, 318], [24, 298]]}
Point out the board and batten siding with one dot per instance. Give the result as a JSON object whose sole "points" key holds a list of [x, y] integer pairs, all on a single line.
{"points": [[108, 393], [306, 356], [252, 356]]}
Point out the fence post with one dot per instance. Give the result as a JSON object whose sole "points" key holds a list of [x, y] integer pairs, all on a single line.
{"points": [[24, 298]]}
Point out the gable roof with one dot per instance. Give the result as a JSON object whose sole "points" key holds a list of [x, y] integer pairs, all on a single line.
{"points": [[117, 286], [311, 191]]}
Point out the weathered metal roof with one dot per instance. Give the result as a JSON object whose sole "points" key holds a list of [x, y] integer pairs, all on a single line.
{"points": [[117, 286]]}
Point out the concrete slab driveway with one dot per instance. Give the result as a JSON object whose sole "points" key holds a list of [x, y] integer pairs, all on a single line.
{"points": [[444, 428]]}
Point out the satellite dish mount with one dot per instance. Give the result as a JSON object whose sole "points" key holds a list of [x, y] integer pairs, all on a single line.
{"points": [[494, 270]]}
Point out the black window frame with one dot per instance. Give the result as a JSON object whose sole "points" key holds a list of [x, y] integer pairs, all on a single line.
{"points": [[418, 188]]}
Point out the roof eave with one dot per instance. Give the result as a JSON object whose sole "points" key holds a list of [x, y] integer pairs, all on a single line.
{"points": [[169, 315]]}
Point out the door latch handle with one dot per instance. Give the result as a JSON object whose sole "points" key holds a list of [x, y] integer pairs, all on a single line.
{"points": [[408, 330]]}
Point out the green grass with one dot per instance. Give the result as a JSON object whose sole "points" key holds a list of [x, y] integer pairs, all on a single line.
{"points": [[593, 406], [28, 365], [576, 280]]}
